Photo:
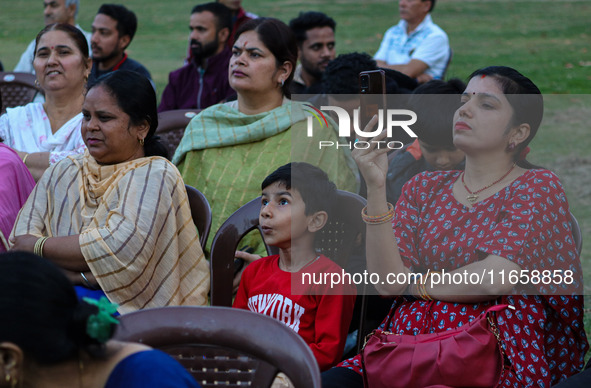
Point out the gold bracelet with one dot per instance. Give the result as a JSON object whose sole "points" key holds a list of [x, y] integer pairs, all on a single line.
{"points": [[38, 248], [422, 290], [25, 159], [376, 220]]}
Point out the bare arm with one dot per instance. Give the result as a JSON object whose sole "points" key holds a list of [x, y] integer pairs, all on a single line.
{"points": [[63, 251], [36, 162], [382, 252], [467, 290], [414, 68]]}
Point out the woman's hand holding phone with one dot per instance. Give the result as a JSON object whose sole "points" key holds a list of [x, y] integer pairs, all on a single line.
{"points": [[373, 160]]}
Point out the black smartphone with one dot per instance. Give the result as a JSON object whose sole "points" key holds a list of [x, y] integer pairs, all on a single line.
{"points": [[372, 90]]}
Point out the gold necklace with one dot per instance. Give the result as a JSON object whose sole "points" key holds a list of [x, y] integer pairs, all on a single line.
{"points": [[473, 195]]}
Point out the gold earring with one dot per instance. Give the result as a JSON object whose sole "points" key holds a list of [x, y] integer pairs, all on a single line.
{"points": [[37, 83], [141, 141]]}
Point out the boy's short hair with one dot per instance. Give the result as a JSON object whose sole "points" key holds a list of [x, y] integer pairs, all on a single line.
{"points": [[342, 73], [435, 103], [316, 190]]}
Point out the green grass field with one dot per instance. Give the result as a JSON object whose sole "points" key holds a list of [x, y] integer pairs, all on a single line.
{"points": [[547, 40]]}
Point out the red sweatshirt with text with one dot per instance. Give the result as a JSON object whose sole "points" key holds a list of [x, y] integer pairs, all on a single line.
{"points": [[318, 313]]}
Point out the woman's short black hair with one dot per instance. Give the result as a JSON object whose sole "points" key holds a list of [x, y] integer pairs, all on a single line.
{"points": [[435, 103]]}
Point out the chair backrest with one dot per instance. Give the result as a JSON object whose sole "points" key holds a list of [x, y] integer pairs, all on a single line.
{"points": [[16, 89], [201, 213], [451, 54], [171, 127], [343, 231], [577, 236], [223, 347], [224, 245]]}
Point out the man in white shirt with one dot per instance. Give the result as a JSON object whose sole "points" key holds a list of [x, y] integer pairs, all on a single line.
{"points": [[415, 46], [54, 11]]}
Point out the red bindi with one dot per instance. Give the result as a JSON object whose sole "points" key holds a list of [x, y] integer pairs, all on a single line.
{"points": [[482, 76]]}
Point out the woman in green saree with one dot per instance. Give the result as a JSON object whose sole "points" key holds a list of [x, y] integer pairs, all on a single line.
{"points": [[229, 148]]}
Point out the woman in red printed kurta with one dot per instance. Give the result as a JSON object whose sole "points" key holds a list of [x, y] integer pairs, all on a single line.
{"points": [[520, 222], [447, 237]]}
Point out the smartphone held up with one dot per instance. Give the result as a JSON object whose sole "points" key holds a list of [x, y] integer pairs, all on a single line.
{"points": [[372, 91]]}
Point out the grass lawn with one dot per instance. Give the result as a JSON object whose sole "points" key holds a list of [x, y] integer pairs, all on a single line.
{"points": [[547, 40]]}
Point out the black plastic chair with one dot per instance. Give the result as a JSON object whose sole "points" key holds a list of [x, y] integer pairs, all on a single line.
{"points": [[451, 54], [577, 236], [344, 231], [201, 213], [224, 347], [224, 245], [16, 89], [171, 127]]}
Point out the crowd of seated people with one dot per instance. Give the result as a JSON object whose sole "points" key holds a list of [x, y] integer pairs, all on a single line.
{"points": [[91, 190]]}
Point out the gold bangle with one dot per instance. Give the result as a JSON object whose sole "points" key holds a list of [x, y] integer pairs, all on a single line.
{"points": [[25, 159], [38, 248], [422, 291], [376, 220], [42, 245]]}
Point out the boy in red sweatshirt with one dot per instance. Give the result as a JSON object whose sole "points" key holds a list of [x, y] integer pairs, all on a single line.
{"points": [[295, 204]]}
